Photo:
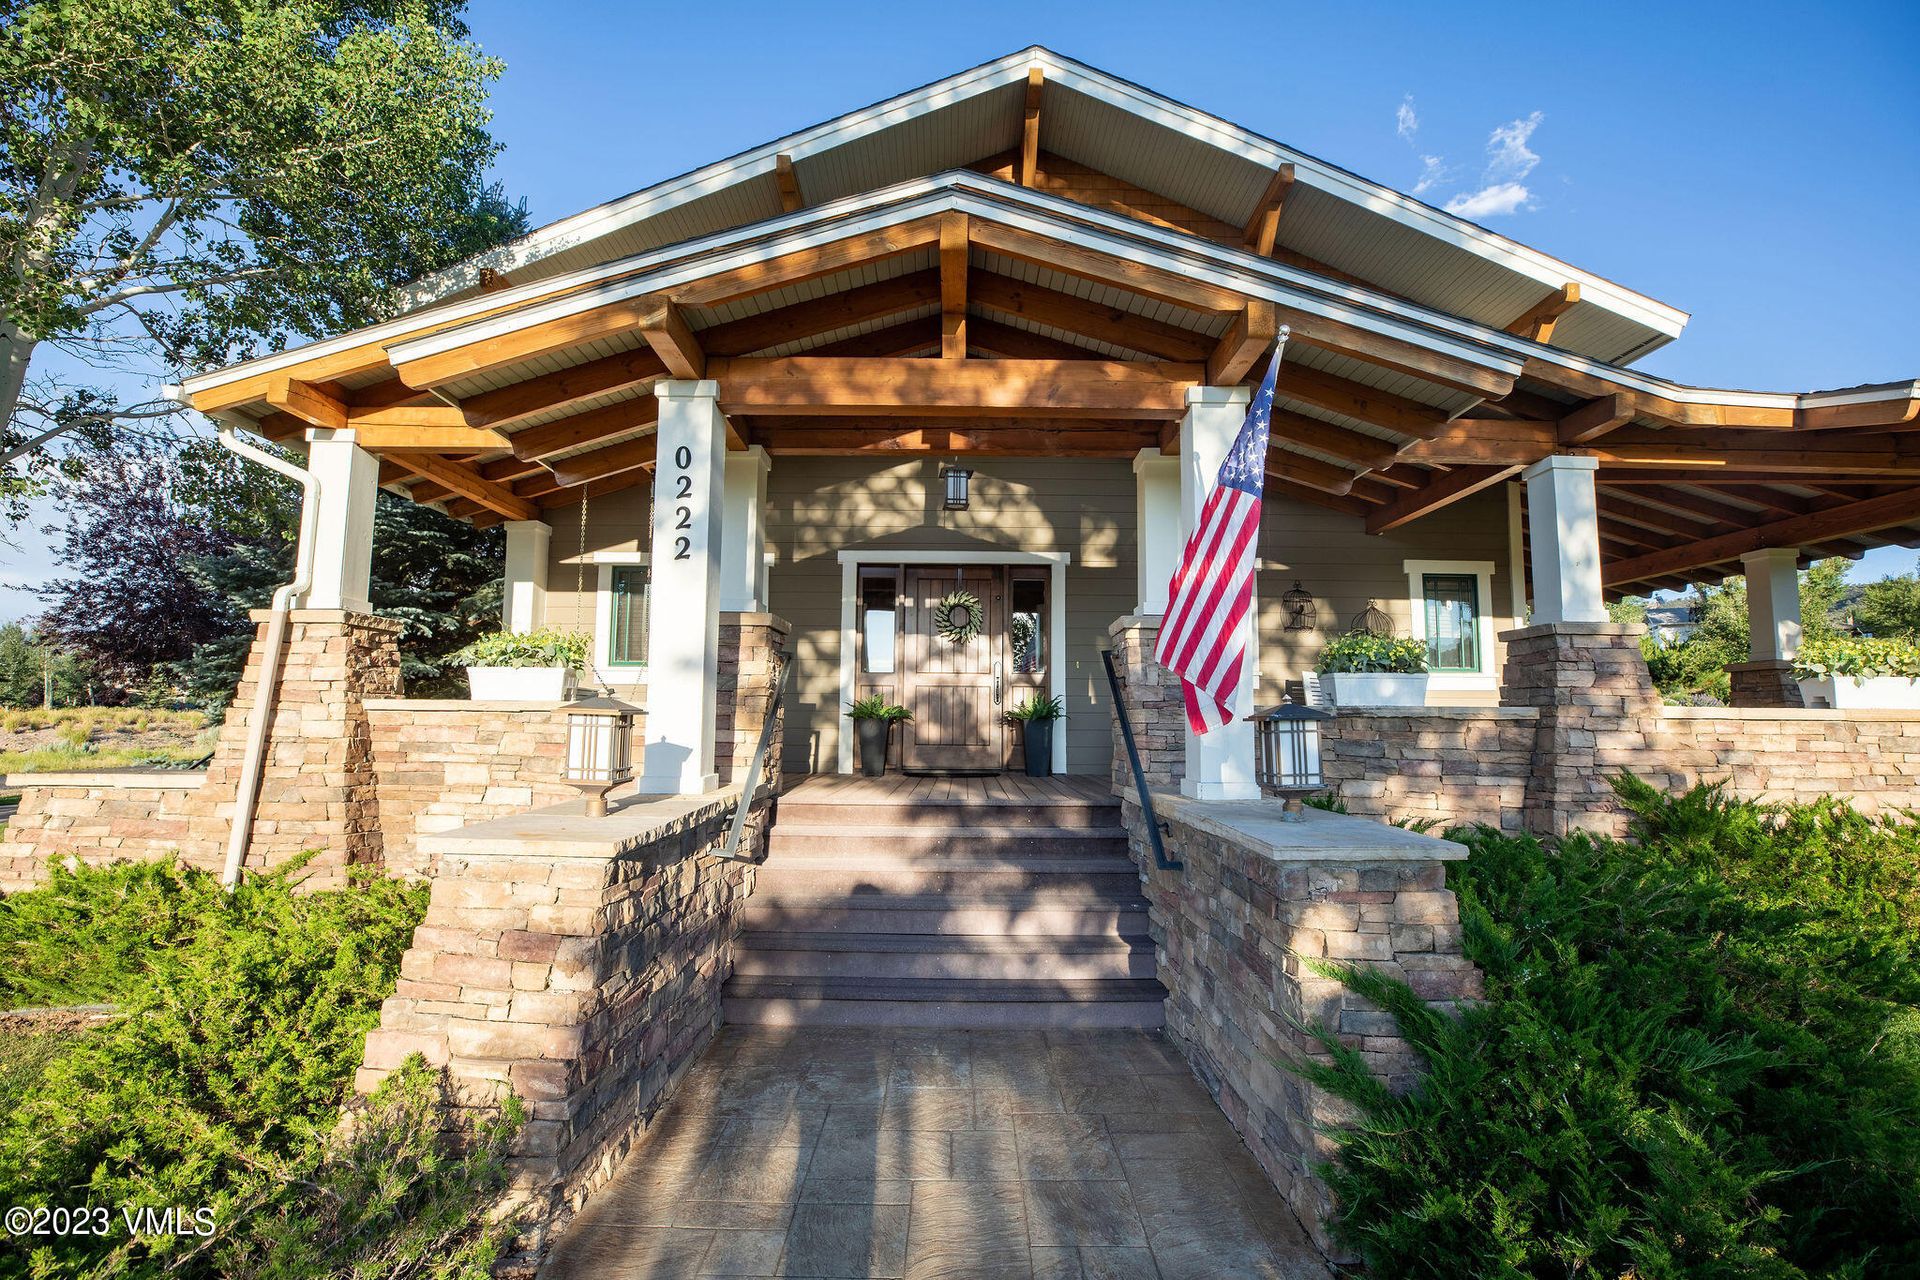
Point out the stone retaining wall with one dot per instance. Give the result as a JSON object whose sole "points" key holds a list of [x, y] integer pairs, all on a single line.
{"points": [[128, 814], [576, 963], [1234, 929]]}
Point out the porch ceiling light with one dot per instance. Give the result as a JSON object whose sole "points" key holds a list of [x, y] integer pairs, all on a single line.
{"points": [[1286, 752], [955, 480], [599, 747]]}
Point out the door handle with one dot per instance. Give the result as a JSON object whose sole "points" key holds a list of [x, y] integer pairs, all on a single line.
{"points": [[996, 684]]}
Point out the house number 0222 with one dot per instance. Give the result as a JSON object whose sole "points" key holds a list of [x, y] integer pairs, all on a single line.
{"points": [[683, 514]]}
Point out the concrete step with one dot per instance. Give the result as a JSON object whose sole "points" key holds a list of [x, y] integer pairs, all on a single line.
{"points": [[1040, 912], [851, 879], [817, 813], [951, 1003], [884, 956], [790, 839]]}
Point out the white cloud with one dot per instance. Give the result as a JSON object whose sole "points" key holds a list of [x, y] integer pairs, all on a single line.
{"points": [[1405, 122], [1492, 200], [1508, 156], [1433, 170]]}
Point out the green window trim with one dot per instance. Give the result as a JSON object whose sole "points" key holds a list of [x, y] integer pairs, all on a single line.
{"points": [[1453, 643], [627, 588]]}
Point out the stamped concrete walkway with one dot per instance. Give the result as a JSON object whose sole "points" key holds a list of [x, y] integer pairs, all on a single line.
{"points": [[835, 1152]]}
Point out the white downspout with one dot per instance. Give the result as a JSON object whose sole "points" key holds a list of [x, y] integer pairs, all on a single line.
{"points": [[260, 717]]}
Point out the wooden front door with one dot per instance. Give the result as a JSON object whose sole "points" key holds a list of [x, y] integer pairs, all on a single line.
{"points": [[954, 690]]}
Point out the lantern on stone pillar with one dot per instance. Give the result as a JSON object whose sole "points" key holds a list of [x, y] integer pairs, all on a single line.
{"points": [[1286, 752], [599, 747]]}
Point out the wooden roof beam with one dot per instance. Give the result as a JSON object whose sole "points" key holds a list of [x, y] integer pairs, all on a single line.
{"points": [[789, 186], [307, 403], [1030, 126], [1366, 452], [458, 477], [606, 376], [955, 248], [1483, 441], [1263, 228], [1093, 440], [1444, 489], [1595, 418], [1537, 321], [859, 305], [581, 468], [664, 325], [1346, 506], [1311, 472], [583, 428], [1251, 335], [992, 338], [601, 488], [1089, 319], [1357, 400], [1867, 516], [842, 387]]}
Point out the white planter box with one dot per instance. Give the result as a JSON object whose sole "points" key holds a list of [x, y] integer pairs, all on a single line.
{"points": [[520, 684], [1885, 693], [1375, 689]]}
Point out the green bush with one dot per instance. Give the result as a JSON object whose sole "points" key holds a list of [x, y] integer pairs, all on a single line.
{"points": [[1362, 651], [1699, 1056], [1035, 707], [875, 707], [221, 1083], [89, 934], [1858, 658], [524, 649]]}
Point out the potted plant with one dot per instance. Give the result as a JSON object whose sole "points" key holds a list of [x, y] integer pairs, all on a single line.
{"points": [[1035, 717], [873, 720], [525, 666], [1361, 669], [1857, 672]]}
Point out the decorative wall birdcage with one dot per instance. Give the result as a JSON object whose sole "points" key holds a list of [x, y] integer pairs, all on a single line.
{"points": [[1372, 620], [1298, 602]]}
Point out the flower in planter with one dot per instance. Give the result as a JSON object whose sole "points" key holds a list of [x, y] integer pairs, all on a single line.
{"points": [[1364, 652], [1858, 657], [525, 649]]}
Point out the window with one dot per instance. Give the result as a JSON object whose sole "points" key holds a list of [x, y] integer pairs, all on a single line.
{"points": [[1452, 603], [627, 616], [879, 621], [1448, 602], [1028, 625]]}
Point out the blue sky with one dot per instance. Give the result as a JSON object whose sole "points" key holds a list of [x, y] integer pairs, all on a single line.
{"points": [[1756, 164]]}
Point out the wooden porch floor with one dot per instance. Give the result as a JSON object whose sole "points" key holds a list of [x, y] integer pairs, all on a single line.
{"points": [[1011, 790]]}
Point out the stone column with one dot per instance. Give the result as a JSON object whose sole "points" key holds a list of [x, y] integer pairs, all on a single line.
{"points": [[318, 784], [1156, 480], [1152, 696], [1773, 624], [1598, 714], [743, 541], [1564, 523], [751, 647], [683, 619], [343, 533], [523, 602], [1219, 765]]}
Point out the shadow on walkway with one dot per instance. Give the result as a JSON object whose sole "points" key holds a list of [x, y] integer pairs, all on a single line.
{"points": [[837, 1152]]}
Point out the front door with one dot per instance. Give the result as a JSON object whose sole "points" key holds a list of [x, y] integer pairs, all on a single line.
{"points": [[953, 684]]}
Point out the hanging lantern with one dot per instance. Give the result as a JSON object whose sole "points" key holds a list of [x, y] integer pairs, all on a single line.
{"points": [[1372, 620], [1286, 752], [599, 747], [955, 481], [1299, 606]]}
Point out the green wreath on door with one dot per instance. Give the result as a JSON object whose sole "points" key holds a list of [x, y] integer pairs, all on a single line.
{"points": [[957, 617]]}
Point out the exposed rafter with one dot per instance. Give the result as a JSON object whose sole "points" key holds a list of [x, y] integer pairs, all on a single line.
{"points": [[1444, 489], [584, 428], [788, 184], [1263, 228], [457, 477], [1251, 336], [606, 376], [828, 386], [1841, 521], [955, 248], [1089, 319], [1537, 321], [308, 403], [666, 330], [1030, 126], [1595, 418]]}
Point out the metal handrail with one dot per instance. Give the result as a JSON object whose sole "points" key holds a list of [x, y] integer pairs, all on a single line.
{"points": [[1160, 858], [758, 764]]}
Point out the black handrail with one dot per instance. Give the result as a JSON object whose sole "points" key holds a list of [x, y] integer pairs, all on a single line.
{"points": [[758, 764], [1160, 858]]}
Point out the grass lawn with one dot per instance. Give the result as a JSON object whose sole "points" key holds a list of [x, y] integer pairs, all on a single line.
{"points": [[81, 738]]}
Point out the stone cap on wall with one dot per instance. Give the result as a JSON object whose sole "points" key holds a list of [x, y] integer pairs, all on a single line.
{"points": [[770, 620], [1322, 836], [1438, 713], [1592, 629], [565, 830], [464, 704], [1826, 714], [183, 779], [345, 617]]}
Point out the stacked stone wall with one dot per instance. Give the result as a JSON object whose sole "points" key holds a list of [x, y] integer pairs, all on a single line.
{"points": [[1235, 931], [103, 817], [582, 973], [1151, 695]]}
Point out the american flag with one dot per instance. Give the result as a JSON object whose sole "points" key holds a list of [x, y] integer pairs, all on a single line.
{"points": [[1203, 638]]}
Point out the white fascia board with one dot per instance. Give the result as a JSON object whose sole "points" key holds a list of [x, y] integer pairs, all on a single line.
{"points": [[614, 215], [1120, 94], [1876, 394]]}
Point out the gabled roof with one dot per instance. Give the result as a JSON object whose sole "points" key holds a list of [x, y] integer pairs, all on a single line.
{"points": [[1332, 216]]}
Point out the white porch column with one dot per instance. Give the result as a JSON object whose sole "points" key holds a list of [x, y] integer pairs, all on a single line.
{"points": [[1773, 603], [343, 539], [1564, 523], [1156, 487], [683, 619], [743, 544], [523, 600], [1219, 766]]}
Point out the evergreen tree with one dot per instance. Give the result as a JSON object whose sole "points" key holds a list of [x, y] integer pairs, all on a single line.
{"points": [[1890, 609], [20, 684]]}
